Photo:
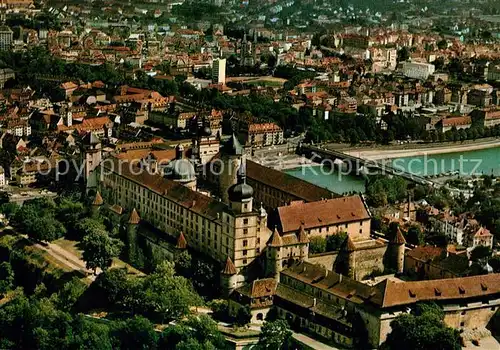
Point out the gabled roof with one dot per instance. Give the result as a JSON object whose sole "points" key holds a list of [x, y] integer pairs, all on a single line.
{"points": [[322, 213], [390, 293], [482, 232], [229, 269]]}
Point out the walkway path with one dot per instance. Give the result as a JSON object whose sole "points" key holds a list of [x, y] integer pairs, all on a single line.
{"points": [[312, 343]]}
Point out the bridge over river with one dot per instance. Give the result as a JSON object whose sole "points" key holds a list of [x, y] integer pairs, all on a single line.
{"points": [[359, 166]]}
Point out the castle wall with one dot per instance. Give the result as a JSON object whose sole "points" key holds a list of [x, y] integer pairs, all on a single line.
{"points": [[325, 259], [369, 260], [366, 259], [471, 315]]}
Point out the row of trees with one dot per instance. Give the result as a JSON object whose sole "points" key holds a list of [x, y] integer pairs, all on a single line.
{"points": [[330, 243]]}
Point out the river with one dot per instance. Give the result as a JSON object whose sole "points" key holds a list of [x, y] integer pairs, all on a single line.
{"points": [[485, 161]]}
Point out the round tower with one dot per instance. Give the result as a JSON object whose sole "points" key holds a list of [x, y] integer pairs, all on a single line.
{"points": [[228, 277], [397, 246], [274, 258], [231, 155], [240, 195], [304, 243], [132, 223], [349, 249], [92, 154]]}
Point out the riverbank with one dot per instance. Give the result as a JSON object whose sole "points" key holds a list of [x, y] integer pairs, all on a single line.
{"points": [[416, 150]]}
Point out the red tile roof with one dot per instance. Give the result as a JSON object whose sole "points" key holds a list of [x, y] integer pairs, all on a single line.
{"points": [[455, 121], [393, 293], [281, 181], [192, 200], [322, 213]]}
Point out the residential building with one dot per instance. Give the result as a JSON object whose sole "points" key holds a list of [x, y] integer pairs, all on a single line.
{"points": [[418, 70], [428, 262], [327, 304], [234, 233], [326, 217], [6, 37], [263, 134], [464, 122], [219, 71], [3, 181], [5, 75]]}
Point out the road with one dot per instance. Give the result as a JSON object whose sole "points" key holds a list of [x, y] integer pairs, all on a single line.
{"points": [[67, 258]]}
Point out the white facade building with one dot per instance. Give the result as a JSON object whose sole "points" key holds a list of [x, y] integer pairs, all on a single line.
{"points": [[219, 71], [417, 70]]}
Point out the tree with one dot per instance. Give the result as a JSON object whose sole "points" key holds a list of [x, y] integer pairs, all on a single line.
{"points": [[69, 212], [317, 245], [183, 263], [9, 209], [166, 296], [275, 335], [403, 54], [87, 225], [99, 249], [136, 333], [45, 228], [6, 277], [442, 44], [69, 294], [415, 235], [335, 241], [480, 253], [89, 334], [195, 332], [243, 316], [423, 329]]}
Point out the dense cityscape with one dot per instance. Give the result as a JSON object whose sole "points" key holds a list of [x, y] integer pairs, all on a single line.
{"points": [[249, 174]]}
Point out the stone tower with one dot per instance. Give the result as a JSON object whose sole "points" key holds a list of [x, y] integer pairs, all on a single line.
{"points": [[231, 159], [132, 223], [274, 258], [92, 154], [349, 251], [228, 277], [397, 247], [304, 243]]}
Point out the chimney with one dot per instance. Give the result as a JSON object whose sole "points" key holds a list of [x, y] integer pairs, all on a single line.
{"points": [[314, 302]]}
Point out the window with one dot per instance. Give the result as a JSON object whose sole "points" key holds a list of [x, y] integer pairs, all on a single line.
{"points": [[462, 324], [463, 312], [245, 243], [245, 252], [245, 261], [245, 231], [245, 221]]}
